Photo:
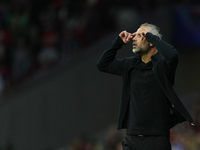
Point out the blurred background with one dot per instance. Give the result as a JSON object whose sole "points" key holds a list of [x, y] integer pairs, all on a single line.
{"points": [[52, 97]]}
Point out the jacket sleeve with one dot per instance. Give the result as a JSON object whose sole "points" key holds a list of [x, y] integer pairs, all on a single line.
{"points": [[169, 53], [107, 62], [167, 50], [176, 118]]}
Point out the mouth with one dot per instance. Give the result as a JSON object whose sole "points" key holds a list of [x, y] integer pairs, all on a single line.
{"points": [[134, 44]]}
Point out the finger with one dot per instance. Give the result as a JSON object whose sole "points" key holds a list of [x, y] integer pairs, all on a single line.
{"points": [[126, 34], [133, 34], [130, 36], [122, 34]]}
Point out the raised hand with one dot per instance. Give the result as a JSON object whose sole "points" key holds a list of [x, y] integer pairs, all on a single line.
{"points": [[126, 36]]}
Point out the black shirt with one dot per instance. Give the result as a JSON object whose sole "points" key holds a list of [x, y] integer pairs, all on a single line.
{"points": [[149, 109]]}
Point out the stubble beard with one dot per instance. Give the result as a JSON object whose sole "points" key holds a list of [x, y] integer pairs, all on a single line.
{"points": [[141, 50]]}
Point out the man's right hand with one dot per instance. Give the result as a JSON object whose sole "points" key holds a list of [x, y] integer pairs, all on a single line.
{"points": [[126, 36]]}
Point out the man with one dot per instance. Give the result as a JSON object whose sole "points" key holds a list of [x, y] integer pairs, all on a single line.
{"points": [[149, 105]]}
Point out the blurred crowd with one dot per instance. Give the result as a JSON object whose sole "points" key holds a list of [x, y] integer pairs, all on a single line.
{"points": [[186, 136], [37, 35]]}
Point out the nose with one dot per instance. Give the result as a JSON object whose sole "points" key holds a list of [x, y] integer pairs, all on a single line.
{"points": [[134, 38]]}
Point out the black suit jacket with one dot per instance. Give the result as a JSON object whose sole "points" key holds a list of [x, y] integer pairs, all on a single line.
{"points": [[164, 68]]}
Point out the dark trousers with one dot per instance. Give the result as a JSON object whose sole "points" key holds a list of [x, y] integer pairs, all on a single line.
{"points": [[146, 143]]}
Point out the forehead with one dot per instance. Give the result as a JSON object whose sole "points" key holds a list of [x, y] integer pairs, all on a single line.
{"points": [[142, 29]]}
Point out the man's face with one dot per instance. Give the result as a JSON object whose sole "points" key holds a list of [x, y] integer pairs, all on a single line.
{"points": [[140, 44]]}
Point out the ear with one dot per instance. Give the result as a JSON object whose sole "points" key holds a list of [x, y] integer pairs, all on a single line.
{"points": [[151, 45]]}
